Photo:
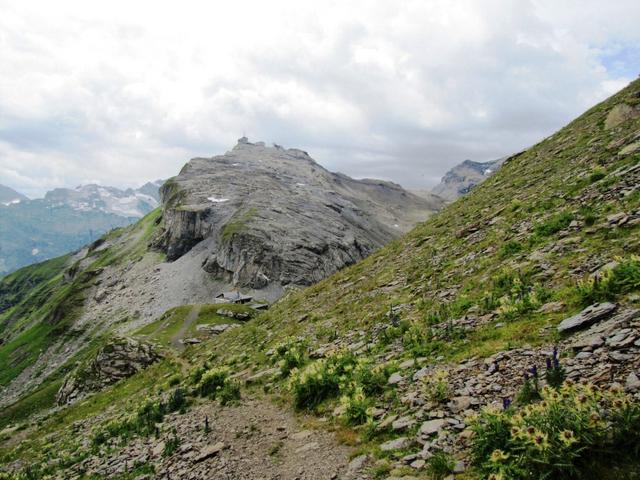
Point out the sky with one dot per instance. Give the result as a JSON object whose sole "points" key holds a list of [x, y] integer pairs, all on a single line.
{"points": [[122, 92]]}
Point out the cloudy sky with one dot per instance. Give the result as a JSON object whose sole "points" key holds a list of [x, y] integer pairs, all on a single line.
{"points": [[121, 92]]}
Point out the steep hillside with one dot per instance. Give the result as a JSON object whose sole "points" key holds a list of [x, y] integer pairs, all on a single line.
{"points": [[399, 353], [463, 177], [66, 219], [258, 218]]}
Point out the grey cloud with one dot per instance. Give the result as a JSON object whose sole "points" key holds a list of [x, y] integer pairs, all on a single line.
{"points": [[400, 91]]}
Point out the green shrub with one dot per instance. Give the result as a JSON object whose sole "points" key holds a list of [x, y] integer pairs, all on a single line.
{"points": [[510, 248], [597, 174], [356, 407], [196, 375], [212, 381], [290, 354], [171, 444], [229, 392], [216, 384], [320, 380], [609, 284], [565, 435], [554, 224], [440, 465], [530, 391], [436, 387], [177, 401], [372, 378], [521, 297]]}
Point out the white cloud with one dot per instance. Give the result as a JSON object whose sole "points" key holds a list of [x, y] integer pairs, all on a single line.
{"points": [[122, 92]]}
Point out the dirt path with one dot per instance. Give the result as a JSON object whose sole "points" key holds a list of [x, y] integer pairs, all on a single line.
{"points": [[251, 440], [186, 324]]}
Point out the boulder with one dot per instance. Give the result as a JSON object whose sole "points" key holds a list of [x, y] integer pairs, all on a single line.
{"points": [[432, 426], [396, 444], [119, 359], [224, 312], [588, 316]]}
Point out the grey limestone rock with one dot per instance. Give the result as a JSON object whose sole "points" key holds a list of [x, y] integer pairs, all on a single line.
{"points": [[276, 217]]}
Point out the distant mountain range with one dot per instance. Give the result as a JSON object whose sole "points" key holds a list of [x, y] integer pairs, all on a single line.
{"points": [[65, 219], [8, 196], [463, 177]]}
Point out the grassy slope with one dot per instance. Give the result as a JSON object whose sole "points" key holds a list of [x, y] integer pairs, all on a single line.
{"points": [[162, 330], [443, 268], [446, 272], [38, 305]]}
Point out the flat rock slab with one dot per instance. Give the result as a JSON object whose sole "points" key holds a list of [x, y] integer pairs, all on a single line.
{"points": [[432, 426], [588, 316], [396, 444], [210, 451]]}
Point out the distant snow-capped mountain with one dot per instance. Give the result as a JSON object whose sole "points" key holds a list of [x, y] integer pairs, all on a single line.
{"points": [[65, 219], [128, 203]]}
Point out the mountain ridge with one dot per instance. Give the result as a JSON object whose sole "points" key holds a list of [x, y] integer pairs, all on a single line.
{"points": [[463, 177], [65, 219]]}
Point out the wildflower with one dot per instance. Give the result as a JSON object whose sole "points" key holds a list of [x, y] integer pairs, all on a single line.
{"points": [[620, 403], [581, 401], [567, 437], [516, 432], [495, 476], [540, 441], [517, 419], [498, 456], [615, 389], [506, 403]]}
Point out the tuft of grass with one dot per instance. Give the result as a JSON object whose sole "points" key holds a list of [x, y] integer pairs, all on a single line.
{"points": [[440, 465], [608, 285]]}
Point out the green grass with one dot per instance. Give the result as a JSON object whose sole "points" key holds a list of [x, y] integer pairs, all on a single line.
{"points": [[170, 323], [237, 224]]}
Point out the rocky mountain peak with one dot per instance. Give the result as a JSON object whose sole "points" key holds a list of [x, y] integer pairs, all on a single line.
{"points": [[465, 176], [272, 216]]}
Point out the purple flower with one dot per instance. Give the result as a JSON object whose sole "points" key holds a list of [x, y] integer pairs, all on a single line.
{"points": [[534, 371], [548, 363], [506, 403]]}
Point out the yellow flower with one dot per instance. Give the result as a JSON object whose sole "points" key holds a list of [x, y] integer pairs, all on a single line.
{"points": [[594, 419], [567, 437], [495, 476], [517, 419], [516, 432], [540, 440], [498, 456]]}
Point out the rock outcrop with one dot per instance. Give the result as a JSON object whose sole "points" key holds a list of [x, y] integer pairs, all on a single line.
{"points": [[275, 217], [118, 359]]}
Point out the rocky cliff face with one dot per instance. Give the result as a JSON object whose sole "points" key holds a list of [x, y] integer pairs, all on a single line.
{"points": [[462, 178], [119, 359], [275, 217]]}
